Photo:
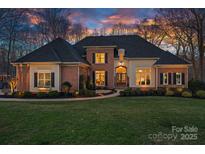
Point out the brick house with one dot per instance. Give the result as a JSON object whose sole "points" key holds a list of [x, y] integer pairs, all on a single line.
{"points": [[109, 61]]}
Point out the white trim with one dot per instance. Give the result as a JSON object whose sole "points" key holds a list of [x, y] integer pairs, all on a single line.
{"points": [[150, 75], [167, 78], [180, 79], [78, 79]]}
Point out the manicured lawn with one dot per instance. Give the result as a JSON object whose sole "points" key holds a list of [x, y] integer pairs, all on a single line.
{"points": [[122, 120]]}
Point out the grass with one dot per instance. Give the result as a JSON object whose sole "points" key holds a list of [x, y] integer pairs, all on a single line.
{"points": [[121, 120]]}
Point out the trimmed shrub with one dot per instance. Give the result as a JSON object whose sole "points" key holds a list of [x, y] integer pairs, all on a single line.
{"points": [[195, 85], [41, 95], [122, 93], [138, 92], [200, 93], [161, 92], [66, 86], [27, 94], [186, 94], [18, 94], [169, 93], [53, 94]]}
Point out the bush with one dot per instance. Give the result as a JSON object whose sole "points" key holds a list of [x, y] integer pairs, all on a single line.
{"points": [[66, 86], [122, 93], [27, 94], [169, 93], [41, 95], [53, 94], [186, 94], [200, 93], [160, 92], [195, 85], [138, 92]]}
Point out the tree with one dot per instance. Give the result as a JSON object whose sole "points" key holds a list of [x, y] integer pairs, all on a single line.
{"points": [[53, 23]]}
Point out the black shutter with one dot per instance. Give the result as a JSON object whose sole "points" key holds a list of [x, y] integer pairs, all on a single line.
{"points": [[106, 78], [93, 77], [174, 78], [170, 78], [183, 78], [93, 58], [52, 79], [106, 60], [161, 78], [35, 79]]}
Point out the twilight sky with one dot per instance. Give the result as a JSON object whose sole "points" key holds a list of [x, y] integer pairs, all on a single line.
{"points": [[97, 18]]}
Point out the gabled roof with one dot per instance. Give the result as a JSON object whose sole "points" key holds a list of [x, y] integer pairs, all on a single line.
{"points": [[58, 50], [134, 45]]}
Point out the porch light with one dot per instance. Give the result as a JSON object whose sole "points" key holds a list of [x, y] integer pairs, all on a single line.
{"points": [[140, 71]]}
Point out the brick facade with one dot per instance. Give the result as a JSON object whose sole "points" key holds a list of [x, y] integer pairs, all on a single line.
{"points": [[173, 70], [23, 77], [109, 66], [70, 74]]}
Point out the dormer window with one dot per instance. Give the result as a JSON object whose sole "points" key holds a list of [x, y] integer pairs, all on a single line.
{"points": [[121, 54]]}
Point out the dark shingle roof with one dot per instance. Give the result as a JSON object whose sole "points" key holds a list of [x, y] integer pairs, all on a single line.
{"points": [[135, 47], [58, 50]]}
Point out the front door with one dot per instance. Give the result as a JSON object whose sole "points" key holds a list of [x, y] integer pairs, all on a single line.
{"points": [[121, 76]]}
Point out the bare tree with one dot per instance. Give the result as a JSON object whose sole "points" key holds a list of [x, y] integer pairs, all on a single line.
{"points": [[53, 23]]}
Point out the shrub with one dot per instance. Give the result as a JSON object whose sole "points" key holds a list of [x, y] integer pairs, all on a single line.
{"points": [[66, 86], [169, 93], [195, 85], [18, 94], [160, 92], [138, 92], [122, 93], [200, 93], [53, 94], [41, 95], [27, 94], [186, 94]]}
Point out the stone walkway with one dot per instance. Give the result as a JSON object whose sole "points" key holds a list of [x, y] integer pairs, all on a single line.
{"points": [[59, 99]]}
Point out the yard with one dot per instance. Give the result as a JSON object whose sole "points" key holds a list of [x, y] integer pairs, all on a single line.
{"points": [[120, 120]]}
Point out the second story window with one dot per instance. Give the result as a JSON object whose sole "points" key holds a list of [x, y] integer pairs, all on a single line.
{"points": [[99, 58]]}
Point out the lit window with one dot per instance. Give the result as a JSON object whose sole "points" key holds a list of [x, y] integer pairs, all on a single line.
{"points": [[100, 78], [165, 78], [100, 58], [44, 80], [178, 78], [143, 76]]}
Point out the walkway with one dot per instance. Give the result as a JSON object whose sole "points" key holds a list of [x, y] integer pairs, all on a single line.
{"points": [[59, 99]]}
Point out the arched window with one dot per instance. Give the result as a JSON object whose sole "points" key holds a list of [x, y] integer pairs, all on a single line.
{"points": [[121, 69]]}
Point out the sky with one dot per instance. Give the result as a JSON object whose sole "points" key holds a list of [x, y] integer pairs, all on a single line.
{"points": [[99, 17]]}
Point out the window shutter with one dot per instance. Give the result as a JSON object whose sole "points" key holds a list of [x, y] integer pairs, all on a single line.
{"points": [[52, 79], [93, 58], [183, 78], [93, 77], [170, 78], [106, 78], [35, 79], [161, 78], [106, 60], [174, 78]]}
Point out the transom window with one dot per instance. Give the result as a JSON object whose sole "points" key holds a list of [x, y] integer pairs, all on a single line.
{"points": [[143, 76], [178, 78], [165, 78], [44, 80], [100, 78], [100, 58]]}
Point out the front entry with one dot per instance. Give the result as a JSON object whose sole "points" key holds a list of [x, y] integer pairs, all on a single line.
{"points": [[121, 76]]}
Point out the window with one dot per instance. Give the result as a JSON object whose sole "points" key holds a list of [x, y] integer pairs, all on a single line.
{"points": [[99, 58], [178, 78], [44, 80], [143, 76], [100, 78], [165, 78]]}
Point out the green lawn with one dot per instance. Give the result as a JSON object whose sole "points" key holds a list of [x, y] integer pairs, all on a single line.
{"points": [[121, 120]]}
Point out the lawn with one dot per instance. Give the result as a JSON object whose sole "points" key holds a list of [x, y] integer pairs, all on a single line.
{"points": [[120, 120]]}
